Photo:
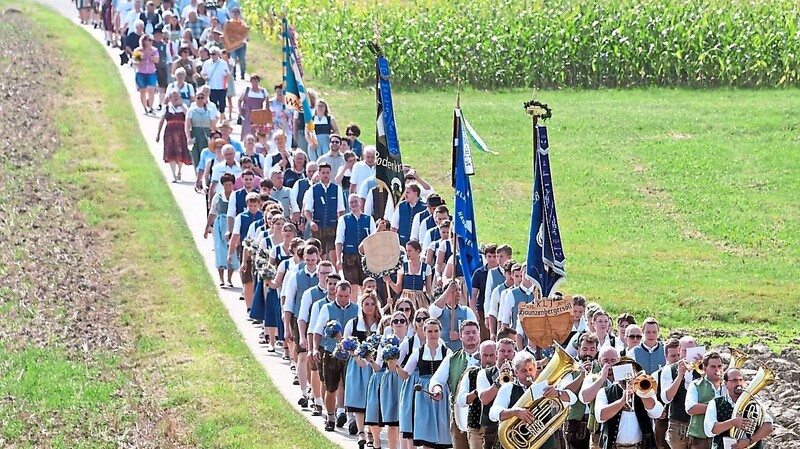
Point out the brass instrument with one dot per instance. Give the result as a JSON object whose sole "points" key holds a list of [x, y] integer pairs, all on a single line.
{"points": [[696, 366], [748, 407], [549, 414], [738, 358], [506, 373]]}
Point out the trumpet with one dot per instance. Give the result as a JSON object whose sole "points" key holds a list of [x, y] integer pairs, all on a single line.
{"points": [[642, 385], [695, 366], [506, 373]]}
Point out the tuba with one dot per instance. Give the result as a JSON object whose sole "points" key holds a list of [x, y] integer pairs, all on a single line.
{"points": [[748, 407], [549, 413], [738, 358]]}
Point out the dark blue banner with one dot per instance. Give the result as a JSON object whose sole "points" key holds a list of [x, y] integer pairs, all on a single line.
{"points": [[466, 233], [389, 165], [545, 264]]}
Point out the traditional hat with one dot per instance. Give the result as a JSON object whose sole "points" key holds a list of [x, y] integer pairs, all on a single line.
{"points": [[225, 124]]}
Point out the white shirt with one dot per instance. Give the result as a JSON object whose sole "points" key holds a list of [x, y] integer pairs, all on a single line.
{"points": [[395, 221], [487, 293], [307, 300], [494, 300], [361, 326], [130, 19], [416, 226], [315, 308], [711, 415], [290, 287], [340, 228], [217, 73], [411, 364], [232, 203], [361, 171], [607, 342], [308, 199], [123, 9], [629, 430], [507, 305], [221, 169], [666, 380], [293, 196], [426, 238], [369, 205]]}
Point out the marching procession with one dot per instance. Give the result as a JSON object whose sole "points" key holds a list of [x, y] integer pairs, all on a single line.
{"points": [[400, 329]]}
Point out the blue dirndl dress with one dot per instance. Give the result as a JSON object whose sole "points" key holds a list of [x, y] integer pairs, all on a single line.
{"points": [[373, 416], [220, 243], [431, 418], [272, 314], [357, 378], [406, 397], [389, 392], [259, 307]]}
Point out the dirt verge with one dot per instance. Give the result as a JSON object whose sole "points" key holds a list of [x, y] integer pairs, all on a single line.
{"points": [[56, 289]]}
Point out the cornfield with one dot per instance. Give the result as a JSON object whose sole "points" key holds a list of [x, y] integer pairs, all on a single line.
{"points": [[550, 44]]}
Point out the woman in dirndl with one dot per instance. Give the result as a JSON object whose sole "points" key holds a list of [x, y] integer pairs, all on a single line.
{"points": [[198, 126], [176, 147], [218, 225], [415, 279], [391, 382], [253, 98], [266, 238], [431, 420], [359, 371], [416, 339], [273, 315]]}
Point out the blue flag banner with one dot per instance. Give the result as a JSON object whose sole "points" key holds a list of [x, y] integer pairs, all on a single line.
{"points": [[294, 89], [388, 160], [464, 215], [545, 264]]}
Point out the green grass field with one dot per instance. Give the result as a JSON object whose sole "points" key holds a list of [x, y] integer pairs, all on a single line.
{"points": [[681, 204], [212, 391]]}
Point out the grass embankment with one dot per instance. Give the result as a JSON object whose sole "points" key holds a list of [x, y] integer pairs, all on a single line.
{"points": [[680, 204], [183, 336]]}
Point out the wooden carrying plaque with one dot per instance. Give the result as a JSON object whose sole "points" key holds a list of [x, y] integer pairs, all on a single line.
{"points": [[546, 321], [260, 117], [234, 35]]}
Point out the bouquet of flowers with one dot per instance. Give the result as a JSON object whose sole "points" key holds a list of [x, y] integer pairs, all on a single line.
{"points": [[137, 56], [249, 245], [390, 352], [350, 344], [263, 267], [374, 341], [340, 353], [332, 329], [391, 340], [364, 350]]}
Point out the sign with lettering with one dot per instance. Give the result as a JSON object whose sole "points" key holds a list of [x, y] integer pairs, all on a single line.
{"points": [[545, 321]]}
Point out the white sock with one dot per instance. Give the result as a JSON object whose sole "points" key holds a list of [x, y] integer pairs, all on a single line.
{"points": [[339, 411], [318, 401]]}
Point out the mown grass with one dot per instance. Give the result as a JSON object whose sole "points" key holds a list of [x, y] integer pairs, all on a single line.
{"points": [[676, 203], [218, 393]]}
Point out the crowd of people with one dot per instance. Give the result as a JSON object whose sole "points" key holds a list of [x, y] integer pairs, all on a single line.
{"points": [[289, 211]]}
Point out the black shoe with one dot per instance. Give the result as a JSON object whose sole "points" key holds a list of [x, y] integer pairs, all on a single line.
{"points": [[330, 426], [317, 411], [341, 420], [303, 402], [353, 430], [296, 381]]}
